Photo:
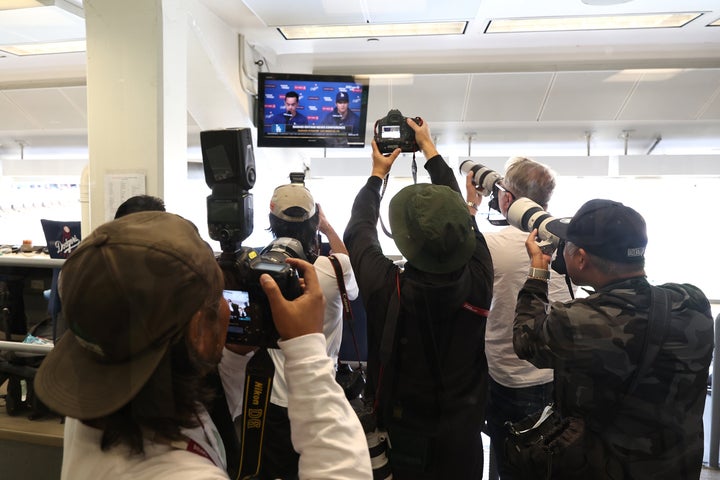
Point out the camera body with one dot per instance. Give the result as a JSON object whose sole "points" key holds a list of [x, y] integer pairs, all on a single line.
{"points": [[392, 131], [229, 167], [251, 320]]}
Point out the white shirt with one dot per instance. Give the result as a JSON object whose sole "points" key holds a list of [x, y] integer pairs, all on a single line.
{"points": [[511, 265], [332, 322], [325, 430]]}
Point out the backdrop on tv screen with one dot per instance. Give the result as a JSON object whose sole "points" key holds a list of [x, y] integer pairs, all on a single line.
{"points": [[320, 118]]}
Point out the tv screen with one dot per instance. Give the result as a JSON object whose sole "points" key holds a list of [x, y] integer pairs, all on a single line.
{"points": [[302, 110]]}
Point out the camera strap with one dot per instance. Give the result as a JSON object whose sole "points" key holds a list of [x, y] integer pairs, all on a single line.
{"points": [[258, 385], [347, 309], [382, 194]]}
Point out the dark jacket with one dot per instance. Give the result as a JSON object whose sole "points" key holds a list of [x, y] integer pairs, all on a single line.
{"points": [[454, 379], [594, 344]]}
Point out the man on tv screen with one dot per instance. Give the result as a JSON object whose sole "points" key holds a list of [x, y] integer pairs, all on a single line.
{"points": [[290, 116], [342, 115]]}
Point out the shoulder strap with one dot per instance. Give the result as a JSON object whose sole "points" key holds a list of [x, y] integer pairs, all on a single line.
{"points": [[222, 419], [658, 320], [347, 309], [259, 375]]}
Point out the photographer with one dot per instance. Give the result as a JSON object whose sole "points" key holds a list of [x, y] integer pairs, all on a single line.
{"points": [[517, 388], [641, 398], [143, 299], [294, 214], [429, 378]]}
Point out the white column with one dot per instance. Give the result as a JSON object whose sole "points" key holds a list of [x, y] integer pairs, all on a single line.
{"points": [[136, 88]]}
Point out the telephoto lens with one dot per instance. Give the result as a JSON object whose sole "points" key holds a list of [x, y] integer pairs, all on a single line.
{"points": [[528, 215], [484, 178], [377, 443]]}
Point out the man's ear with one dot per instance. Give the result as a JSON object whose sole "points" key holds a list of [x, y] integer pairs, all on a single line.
{"points": [[583, 261]]}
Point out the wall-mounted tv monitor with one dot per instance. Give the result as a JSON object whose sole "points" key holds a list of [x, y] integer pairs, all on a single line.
{"points": [[304, 110]]}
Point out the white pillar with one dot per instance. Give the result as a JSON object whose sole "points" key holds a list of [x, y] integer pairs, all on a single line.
{"points": [[136, 88]]}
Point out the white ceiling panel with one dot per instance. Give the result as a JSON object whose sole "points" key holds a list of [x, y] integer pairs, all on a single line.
{"points": [[712, 110], [587, 96], [48, 108], [507, 96], [427, 96], [682, 97], [12, 117], [77, 96]]}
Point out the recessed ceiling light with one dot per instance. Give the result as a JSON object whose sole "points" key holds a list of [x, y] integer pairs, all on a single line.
{"points": [[595, 22], [45, 48], [309, 32], [604, 2]]}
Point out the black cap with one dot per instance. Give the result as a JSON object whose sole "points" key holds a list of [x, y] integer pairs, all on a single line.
{"points": [[607, 229], [342, 97]]}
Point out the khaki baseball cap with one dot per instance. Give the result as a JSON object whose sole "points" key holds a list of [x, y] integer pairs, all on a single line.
{"points": [[128, 293]]}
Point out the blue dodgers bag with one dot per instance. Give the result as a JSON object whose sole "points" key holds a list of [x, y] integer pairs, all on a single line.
{"points": [[62, 237]]}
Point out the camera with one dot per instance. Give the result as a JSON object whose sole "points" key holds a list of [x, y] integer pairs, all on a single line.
{"points": [[484, 179], [528, 215], [251, 320], [392, 131], [229, 167]]}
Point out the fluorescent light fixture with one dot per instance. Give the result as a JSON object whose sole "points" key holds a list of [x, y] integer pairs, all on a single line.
{"points": [[716, 23], [15, 4], [646, 74], [59, 21], [72, 6], [599, 22], [309, 32], [45, 48]]}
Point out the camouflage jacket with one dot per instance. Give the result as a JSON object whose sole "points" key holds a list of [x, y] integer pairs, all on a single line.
{"points": [[594, 345]]}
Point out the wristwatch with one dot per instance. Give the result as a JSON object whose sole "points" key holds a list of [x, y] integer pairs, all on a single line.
{"points": [[539, 274], [471, 205]]}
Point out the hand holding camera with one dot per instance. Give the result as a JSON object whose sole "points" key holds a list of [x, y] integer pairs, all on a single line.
{"points": [[394, 131], [303, 315]]}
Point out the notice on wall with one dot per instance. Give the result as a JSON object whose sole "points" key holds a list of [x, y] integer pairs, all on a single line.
{"points": [[119, 187]]}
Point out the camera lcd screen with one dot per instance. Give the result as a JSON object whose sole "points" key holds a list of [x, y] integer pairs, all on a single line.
{"points": [[390, 131], [238, 301], [270, 267]]}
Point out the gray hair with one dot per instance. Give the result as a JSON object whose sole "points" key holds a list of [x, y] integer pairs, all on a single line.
{"points": [[528, 178]]}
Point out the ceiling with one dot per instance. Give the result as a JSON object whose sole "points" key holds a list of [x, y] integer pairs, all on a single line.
{"points": [[533, 93]]}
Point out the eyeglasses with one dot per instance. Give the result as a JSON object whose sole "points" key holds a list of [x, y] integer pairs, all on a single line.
{"points": [[500, 187]]}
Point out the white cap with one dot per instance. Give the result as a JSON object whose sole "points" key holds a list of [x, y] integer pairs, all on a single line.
{"points": [[292, 203]]}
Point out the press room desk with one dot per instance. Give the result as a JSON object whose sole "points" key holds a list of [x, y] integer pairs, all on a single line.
{"points": [[35, 260]]}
